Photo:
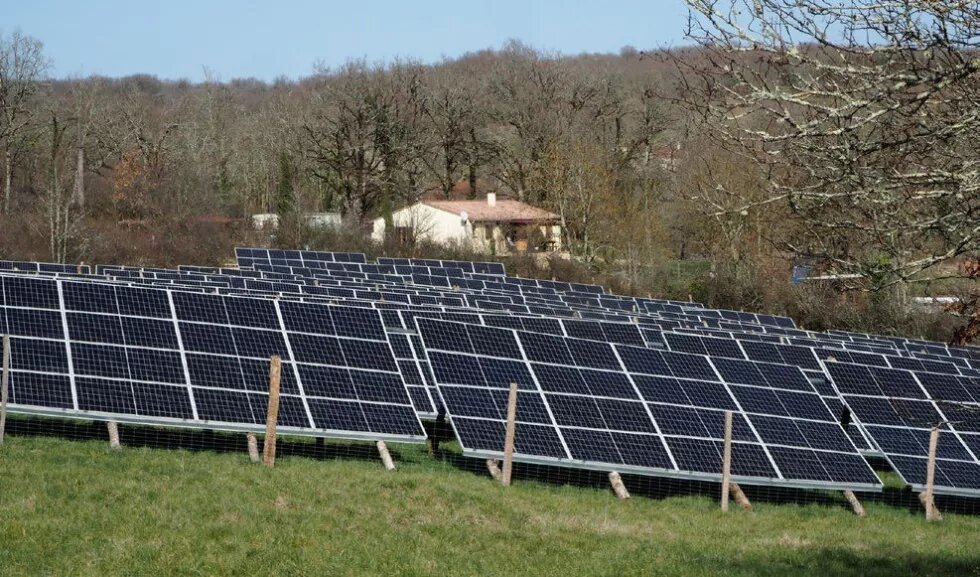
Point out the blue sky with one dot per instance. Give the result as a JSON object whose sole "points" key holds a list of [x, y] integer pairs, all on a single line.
{"points": [[236, 39]]}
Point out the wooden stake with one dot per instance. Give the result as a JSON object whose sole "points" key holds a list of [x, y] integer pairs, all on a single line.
{"points": [[726, 463], [494, 467], [855, 504], [618, 487], [253, 448], [385, 456], [272, 414], [4, 386], [925, 503], [509, 436], [932, 514], [740, 497], [113, 434]]}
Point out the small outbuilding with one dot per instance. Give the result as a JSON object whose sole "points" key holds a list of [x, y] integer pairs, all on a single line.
{"points": [[488, 225]]}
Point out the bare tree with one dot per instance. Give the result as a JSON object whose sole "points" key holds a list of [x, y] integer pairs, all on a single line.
{"points": [[531, 107], [864, 116], [360, 139], [22, 67], [61, 203], [451, 117]]}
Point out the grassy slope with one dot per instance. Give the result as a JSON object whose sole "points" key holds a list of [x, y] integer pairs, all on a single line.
{"points": [[75, 508]]}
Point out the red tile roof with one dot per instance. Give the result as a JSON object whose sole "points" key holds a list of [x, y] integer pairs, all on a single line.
{"points": [[505, 210]]}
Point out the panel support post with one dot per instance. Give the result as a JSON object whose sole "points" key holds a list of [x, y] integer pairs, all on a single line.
{"points": [[4, 386], [618, 487], [928, 499], [385, 456], [253, 448], [740, 497], [855, 504], [509, 436], [436, 436], [272, 413], [494, 467], [726, 463], [113, 434]]}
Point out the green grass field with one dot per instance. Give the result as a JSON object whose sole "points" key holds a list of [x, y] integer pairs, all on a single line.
{"points": [[70, 507]]}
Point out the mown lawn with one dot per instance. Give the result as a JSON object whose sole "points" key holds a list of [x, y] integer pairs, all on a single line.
{"points": [[70, 507]]}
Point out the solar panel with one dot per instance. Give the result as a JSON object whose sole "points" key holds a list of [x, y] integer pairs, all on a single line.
{"points": [[899, 407], [158, 356], [250, 257], [43, 267], [413, 374], [617, 407]]}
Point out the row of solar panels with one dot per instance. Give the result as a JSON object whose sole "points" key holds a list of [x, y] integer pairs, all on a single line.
{"points": [[170, 357], [457, 303], [173, 357], [449, 301], [684, 439]]}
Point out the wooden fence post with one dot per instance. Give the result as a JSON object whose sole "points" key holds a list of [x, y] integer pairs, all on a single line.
{"points": [[509, 436], [726, 463], [4, 386], [272, 414], [932, 513]]}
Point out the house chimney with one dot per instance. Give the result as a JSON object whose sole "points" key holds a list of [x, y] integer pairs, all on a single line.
{"points": [[491, 199]]}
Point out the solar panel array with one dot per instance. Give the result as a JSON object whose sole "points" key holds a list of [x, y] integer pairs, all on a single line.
{"points": [[899, 407], [799, 420], [159, 356], [626, 408]]}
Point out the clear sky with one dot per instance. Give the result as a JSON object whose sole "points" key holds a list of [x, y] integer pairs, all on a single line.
{"points": [[242, 38]]}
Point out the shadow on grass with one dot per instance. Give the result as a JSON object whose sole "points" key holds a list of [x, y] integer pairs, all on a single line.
{"points": [[663, 487], [197, 440], [205, 440]]}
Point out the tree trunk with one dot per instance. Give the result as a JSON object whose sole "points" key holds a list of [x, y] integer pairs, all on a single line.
{"points": [[472, 163], [80, 179], [7, 180], [472, 181]]}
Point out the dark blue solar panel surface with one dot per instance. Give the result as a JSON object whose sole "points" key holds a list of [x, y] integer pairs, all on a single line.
{"points": [[621, 407], [152, 355], [898, 408]]}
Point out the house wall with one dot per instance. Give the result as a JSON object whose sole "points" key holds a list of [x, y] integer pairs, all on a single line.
{"points": [[428, 223], [499, 236]]}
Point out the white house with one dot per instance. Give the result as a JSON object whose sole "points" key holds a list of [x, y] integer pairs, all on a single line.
{"points": [[489, 226]]}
